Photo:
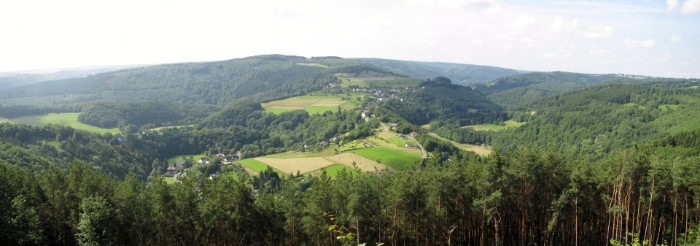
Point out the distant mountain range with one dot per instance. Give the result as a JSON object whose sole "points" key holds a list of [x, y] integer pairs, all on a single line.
{"points": [[269, 77]]}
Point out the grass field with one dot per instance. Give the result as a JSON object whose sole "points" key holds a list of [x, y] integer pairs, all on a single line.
{"points": [[393, 142], [390, 157], [633, 105], [376, 80], [253, 164], [312, 65], [667, 107], [493, 127], [64, 119], [294, 165], [169, 180], [481, 150], [311, 103], [170, 127], [280, 110], [333, 170], [364, 164]]}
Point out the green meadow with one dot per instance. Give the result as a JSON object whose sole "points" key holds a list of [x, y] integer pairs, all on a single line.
{"points": [[493, 127], [64, 119], [390, 157]]}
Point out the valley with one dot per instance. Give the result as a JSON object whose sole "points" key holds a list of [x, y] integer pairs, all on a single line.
{"points": [[277, 149]]}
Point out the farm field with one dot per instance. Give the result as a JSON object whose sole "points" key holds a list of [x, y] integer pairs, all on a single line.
{"points": [[393, 158], [373, 80], [253, 164], [364, 164], [493, 127], [393, 142], [311, 103], [294, 165], [64, 119], [482, 150]]}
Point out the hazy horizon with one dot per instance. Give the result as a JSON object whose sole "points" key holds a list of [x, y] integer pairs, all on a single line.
{"points": [[651, 38]]}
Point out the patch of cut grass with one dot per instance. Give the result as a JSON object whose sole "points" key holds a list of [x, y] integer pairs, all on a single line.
{"points": [[312, 65], [390, 157], [482, 150], [320, 109], [169, 180], [311, 103], [254, 164], [170, 127], [667, 107], [333, 170], [64, 119], [279, 111], [493, 127]]}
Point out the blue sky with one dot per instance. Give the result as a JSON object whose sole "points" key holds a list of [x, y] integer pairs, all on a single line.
{"points": [[656, 38]]}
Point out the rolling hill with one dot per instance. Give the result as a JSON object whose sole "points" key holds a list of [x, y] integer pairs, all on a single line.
{"points": [[462, 74]]}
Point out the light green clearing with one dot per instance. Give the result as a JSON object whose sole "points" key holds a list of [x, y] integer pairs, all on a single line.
{"points": [[287, 155], [320, 109], [482, 150], [312, 65], [355, 144], [169, 180], [312, 104], [259, 166], [390, 157], [634, 105], [175, 159], [379, 82], [64, 119], [279, 111], [493, 127], [667, 107], [333, 170], [170, 127]]}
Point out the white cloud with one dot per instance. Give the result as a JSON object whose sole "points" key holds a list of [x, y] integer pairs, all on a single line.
{"points": [[639, 44], [671, 5], [598, 31], [522, 21], [691, 7], [557, 24], [675, 39], [486, 5]]}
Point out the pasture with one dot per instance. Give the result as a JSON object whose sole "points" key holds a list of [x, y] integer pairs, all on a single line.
{"points": [[253, 164], [294, 165], [362, 163], [393, 158], [311, 103], [64, 119], [493, 127], [376, 80], [667, 107], [482, 150]]}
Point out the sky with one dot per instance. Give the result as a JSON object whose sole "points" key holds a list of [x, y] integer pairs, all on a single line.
{"points": [[642, 37]]}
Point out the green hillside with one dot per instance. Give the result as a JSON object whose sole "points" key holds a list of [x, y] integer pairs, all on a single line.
{"points": [[461, 74]]}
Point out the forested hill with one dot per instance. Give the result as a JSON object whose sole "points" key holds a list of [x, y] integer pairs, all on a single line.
{"points": [[439, 99], [522, 89], [462, 74], [597, 120], [210, 83]]}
